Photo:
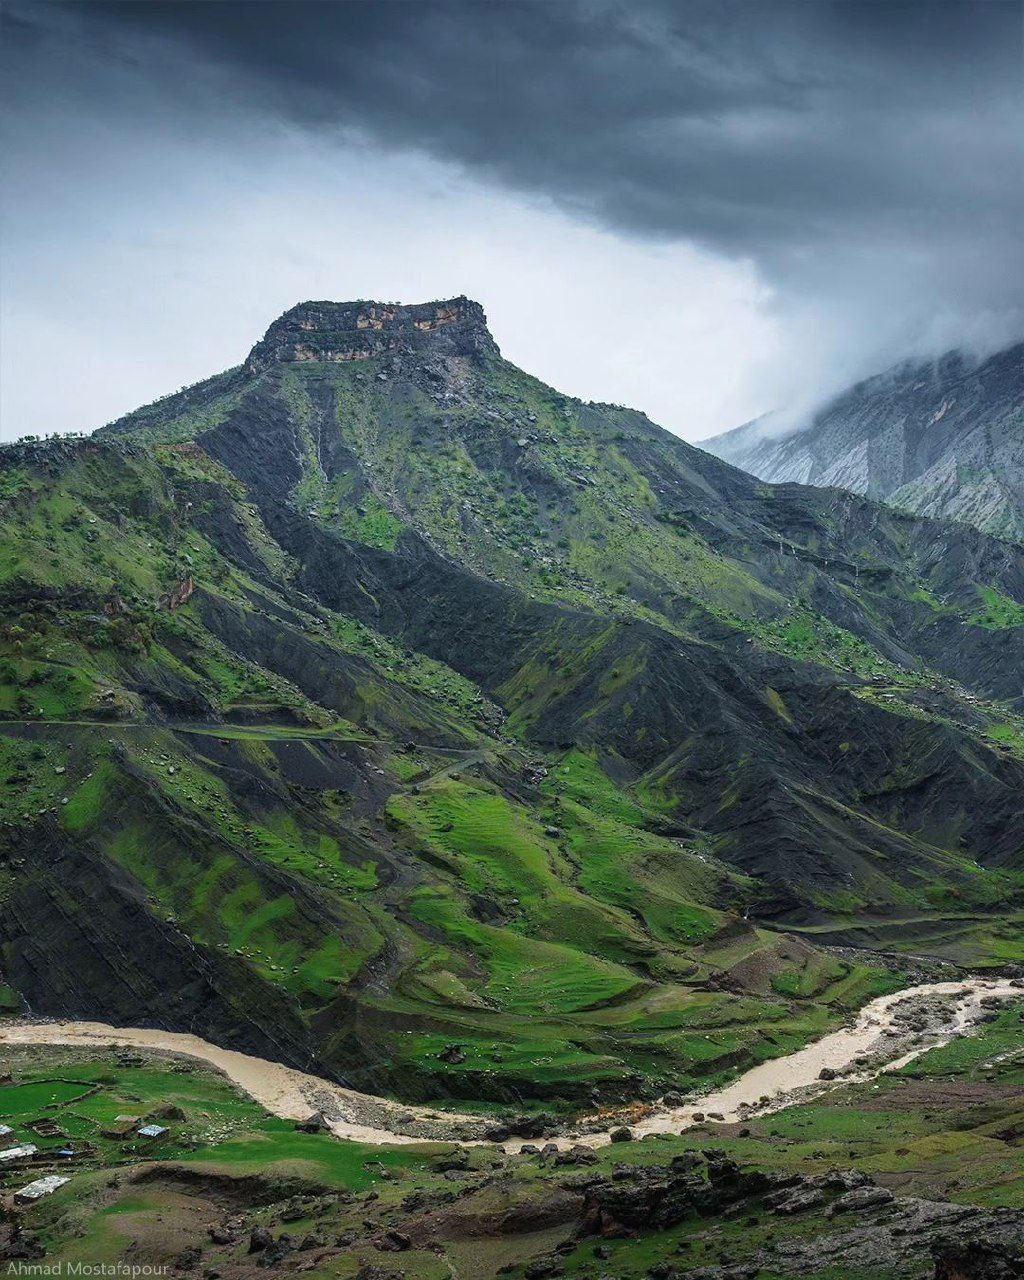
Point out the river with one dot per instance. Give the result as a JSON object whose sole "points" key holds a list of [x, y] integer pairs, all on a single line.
{"points": [[887, 1033]]}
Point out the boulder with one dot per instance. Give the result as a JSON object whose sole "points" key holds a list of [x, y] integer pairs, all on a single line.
{"points": [[260, 1239], [393, 1241], [862, 1199], [316, 1123]]}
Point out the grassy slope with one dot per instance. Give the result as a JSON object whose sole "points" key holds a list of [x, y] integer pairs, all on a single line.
{"points": [[594, 507], [553, 931]]}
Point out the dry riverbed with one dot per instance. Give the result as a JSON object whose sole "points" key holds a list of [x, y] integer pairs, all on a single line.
{"points": [[887, 1033]]}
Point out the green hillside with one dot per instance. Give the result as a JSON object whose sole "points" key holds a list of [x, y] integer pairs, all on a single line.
{"points": [[376, 706]]}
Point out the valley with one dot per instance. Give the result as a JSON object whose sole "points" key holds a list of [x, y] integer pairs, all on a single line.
{"points": [[889, 1033], [376, 717], [889, 1178]]}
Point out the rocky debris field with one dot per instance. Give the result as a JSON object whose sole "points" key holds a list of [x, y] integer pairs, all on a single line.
{"points": [[256, 1225]]}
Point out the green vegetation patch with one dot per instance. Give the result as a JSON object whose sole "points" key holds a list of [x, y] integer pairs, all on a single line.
{"points": [[525, 975], [1000, 612]]}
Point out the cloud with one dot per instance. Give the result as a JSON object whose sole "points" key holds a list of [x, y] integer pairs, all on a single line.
{"points": [[762, 129], [856, 163]]}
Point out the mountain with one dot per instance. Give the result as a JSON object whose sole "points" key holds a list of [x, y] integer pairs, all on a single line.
{"points": [[375, 707], [942, 438]]}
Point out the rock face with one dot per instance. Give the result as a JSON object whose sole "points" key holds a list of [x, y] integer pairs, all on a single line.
{"points": [[656, 1197], [943, 438], [979, 1258], [872, 1227], [181, 594], [340, 332]]}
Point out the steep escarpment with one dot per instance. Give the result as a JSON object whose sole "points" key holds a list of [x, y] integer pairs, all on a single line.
{"points": [[471, 739]]}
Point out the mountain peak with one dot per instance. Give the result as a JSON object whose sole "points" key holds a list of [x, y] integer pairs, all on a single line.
{"points": [[337, 332]]}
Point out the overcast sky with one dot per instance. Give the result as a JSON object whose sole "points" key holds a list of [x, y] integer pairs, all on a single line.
{"points": [[705, 210]]}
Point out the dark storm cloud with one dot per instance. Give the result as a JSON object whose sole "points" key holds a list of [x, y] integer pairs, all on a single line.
{"points": [[862, 159], [776, 129]]}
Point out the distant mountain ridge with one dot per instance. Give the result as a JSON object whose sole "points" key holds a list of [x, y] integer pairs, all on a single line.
{"points": [[941, 438]]}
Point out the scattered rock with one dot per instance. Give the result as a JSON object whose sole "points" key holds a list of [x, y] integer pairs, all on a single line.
{"points": [[527, 1126], [276, 1252], [316, 1123], [20, 1247], [260, 1239], [798, 1200], [544, 1267], [315, 1240], [223, 1235], [577, 1155]]}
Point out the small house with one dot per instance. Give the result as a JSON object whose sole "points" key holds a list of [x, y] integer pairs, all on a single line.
{"points": [[41, 1187], [23, 1152], [152, 1131], [122, 1127]]}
